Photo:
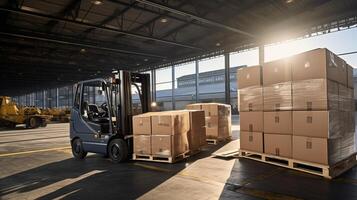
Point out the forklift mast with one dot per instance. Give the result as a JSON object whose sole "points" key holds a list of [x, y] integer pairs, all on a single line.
{"points": [[124, 81]]}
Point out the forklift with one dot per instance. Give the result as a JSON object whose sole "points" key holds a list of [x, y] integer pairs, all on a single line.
{"points": [[101, 120]]}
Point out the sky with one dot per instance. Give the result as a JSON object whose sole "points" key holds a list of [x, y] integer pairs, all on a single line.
{"points": [[338, 42]]}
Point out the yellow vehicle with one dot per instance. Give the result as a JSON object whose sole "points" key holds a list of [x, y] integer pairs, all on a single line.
{"points": [[11, 115], [58, 114]]}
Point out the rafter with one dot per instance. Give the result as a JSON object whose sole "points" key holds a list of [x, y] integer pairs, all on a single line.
{"points": [[40, 15], [198, 18], [72, 10], [117, 13]]}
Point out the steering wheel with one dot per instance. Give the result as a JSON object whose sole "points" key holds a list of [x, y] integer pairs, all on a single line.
{"points": [[104, 106]]}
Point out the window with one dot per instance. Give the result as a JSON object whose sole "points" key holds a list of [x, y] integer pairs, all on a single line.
{"points": [[94, 106], [211, 80], [185, 85], [164, 88]]}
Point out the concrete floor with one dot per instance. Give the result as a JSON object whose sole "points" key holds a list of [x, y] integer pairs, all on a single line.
{"points": [[37, 164]]}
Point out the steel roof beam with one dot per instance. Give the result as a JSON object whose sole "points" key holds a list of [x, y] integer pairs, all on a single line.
{"points": [[116, 14], [93, 46], [194, 17], [157, 17], [35, 14], [73, 5], [156, 12]]}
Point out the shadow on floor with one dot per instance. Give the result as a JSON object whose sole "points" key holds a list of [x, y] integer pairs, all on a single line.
{"points": [[254, 180], [93, 178]]}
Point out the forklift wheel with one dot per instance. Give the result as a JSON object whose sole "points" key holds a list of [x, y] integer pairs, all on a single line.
{"points": [[118, 150], [77, 149]]}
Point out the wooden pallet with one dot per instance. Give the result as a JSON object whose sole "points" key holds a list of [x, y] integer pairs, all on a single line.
{"points": [[217, 140], [161, 158], [312, 168]]}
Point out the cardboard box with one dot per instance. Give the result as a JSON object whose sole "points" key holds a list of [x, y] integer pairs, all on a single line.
{"points": [[321, 150], [277, 97], [194, 106], [315, 94], [309, 149], [170, 123], [249, 76], [278, 145], [251, 121], [142, 144], [217, 127], [278, 71], [197, 133], [215, 109], [251, 141], [169, 145], [347, 120], [350, 83], [351, 100], [278, 122], [211, 109], [345, 98], [321, 124], [250, 99], [142, 124], [317, 64]]}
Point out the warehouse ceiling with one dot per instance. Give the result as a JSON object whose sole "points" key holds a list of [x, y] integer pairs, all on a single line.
{"points": [[50, 43]]}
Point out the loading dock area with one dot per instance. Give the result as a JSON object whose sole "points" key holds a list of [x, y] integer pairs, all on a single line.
{"points": [[228, 94], [39, 164]]}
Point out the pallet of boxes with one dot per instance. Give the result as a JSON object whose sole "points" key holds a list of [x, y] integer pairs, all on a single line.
{"points": [[299, 113], [217, 119], [168, 136]]}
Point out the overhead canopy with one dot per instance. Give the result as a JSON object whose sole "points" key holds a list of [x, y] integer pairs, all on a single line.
{"points": [[50, 43]]}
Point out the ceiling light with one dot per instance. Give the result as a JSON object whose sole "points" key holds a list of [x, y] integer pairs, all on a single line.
{"points": [[97, 2], [218, 44], [164, 20], [83, 50], [146, 59], [289, 1], [137, 64]]}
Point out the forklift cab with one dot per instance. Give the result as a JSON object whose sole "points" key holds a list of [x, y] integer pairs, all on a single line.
{"points": [[101, 116]]}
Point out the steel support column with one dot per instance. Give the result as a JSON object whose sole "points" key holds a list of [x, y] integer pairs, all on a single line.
{"points": [[227, 80], [261, 54], [44, 99], [173, 88], [197, 80], [57, 98], [153, 85]]}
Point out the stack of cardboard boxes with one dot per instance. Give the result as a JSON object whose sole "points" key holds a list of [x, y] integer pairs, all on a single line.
{"points": [[250, 100], [323, 117], [161, 134], [308, 108], [168, 134], [217, 119]]}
